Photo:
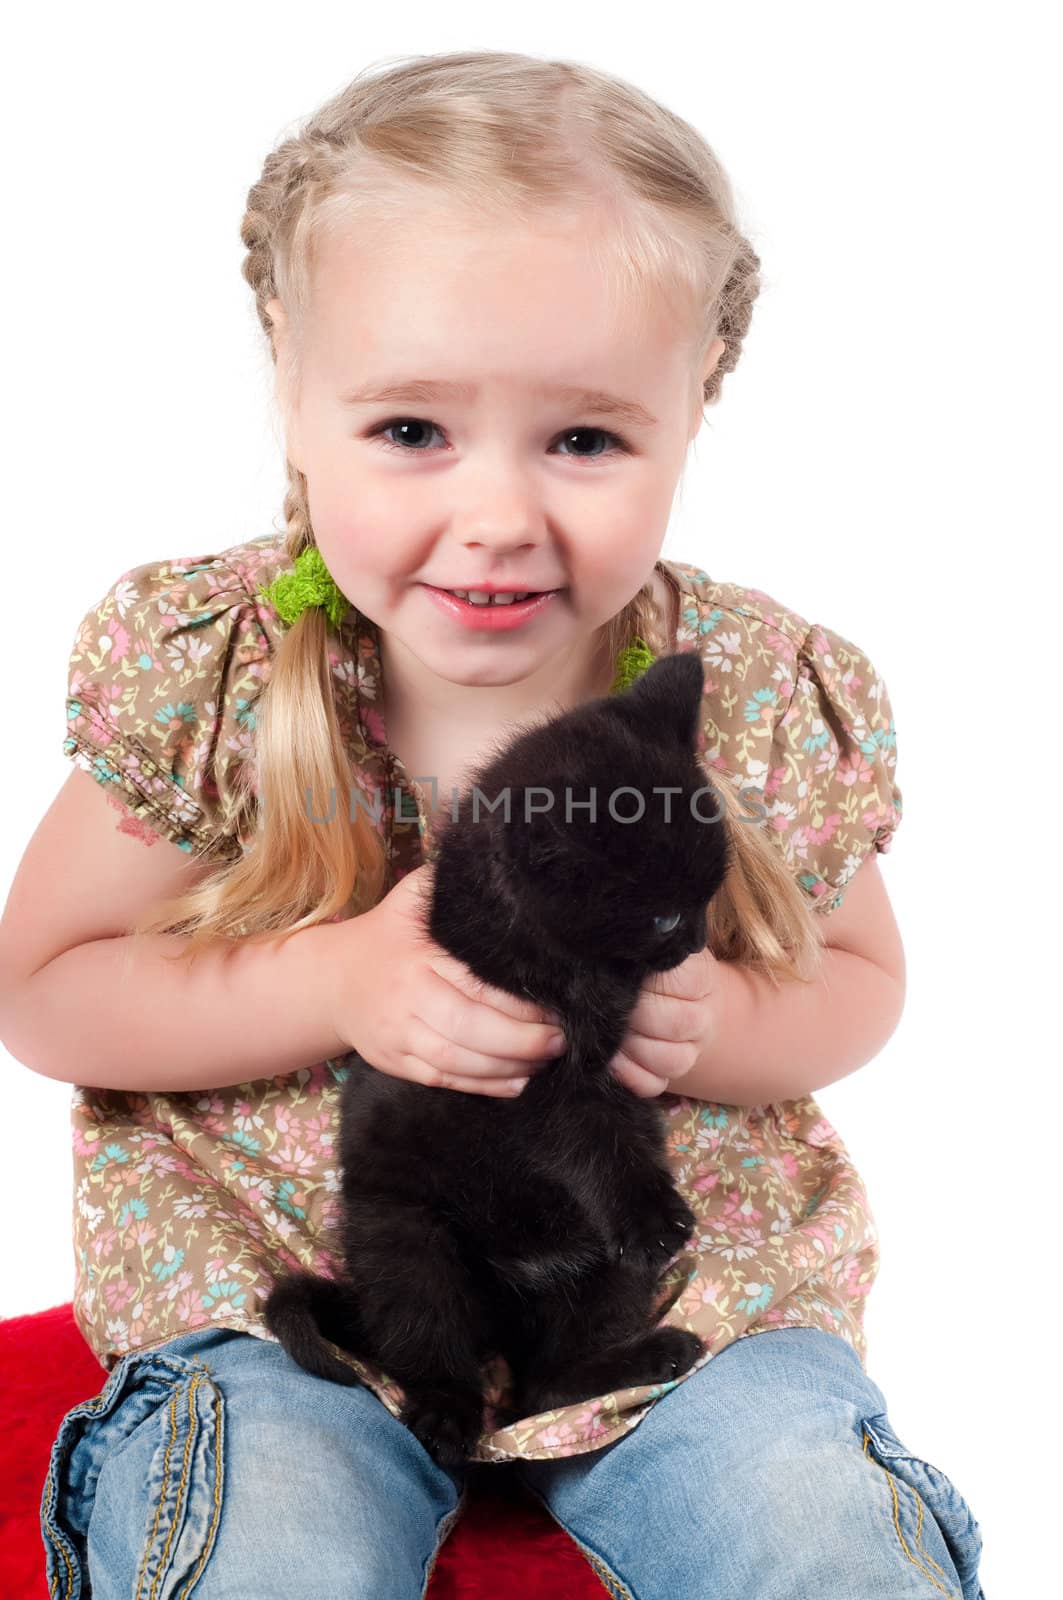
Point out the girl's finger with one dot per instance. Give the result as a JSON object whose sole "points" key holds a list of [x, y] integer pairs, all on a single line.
{"points": [[661, 1016], [523, 1008], [637, 1079], [679, 1021], [691, 980], [455, 1060], [665, 1058], [485, 1033], [500, 1088], [417, 1071]]}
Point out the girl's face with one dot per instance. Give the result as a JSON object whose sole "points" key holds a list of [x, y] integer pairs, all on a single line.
{"points": [[498, 480]]}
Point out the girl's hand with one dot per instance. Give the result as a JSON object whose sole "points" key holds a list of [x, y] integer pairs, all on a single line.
{"points": [[674, 1021], [415, 1012]]}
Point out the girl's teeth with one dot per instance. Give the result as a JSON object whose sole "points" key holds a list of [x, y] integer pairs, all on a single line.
{"points": [[480, 597]]}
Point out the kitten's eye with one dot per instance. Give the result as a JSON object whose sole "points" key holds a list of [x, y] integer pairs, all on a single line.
{"points": [[666, 924]]}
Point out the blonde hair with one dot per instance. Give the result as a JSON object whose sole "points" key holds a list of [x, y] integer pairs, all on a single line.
{"points": [[476, 133]]}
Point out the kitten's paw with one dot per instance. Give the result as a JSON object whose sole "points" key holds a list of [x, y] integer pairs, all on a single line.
{"points": [[667, 1354], [659, 1357], [449, 1425], [659, 1233]]}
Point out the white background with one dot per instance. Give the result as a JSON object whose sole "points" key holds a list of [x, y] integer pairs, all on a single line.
{"points": [[879, 463]]}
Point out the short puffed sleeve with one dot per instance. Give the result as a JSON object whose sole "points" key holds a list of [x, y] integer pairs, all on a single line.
{"points": [[830, 789], [163, 678]]}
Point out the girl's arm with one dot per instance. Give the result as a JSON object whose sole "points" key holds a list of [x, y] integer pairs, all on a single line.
{"points": [[768, 1044], [122, 1013], [84, 1001]]}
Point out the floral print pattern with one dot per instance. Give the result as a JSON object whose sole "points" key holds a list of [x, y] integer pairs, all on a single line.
{"points": [[187, 1203]]}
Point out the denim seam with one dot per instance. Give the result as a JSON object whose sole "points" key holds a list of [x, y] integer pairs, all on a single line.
{"points": [[182, 1487], [85, 1408], [208, 1542], [196, 1382], [172, 1414], [443, 1532], [919, 1525], [88, 1408], [605, 1574], [601, 1570]]}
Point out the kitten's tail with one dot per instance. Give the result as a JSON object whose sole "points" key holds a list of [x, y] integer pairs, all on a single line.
{"points": [[308, 1315]]}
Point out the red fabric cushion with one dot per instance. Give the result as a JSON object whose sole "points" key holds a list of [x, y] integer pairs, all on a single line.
{"points": [[505, 1543]]}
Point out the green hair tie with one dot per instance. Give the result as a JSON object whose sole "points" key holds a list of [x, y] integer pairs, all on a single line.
{"points": [[631, 663], [311, 584]]}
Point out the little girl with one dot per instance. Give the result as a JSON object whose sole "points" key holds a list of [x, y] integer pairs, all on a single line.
{"points": [[529, 275]]}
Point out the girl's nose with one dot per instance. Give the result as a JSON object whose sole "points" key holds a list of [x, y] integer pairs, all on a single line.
{"points": [[503, 512], [501, 537]]}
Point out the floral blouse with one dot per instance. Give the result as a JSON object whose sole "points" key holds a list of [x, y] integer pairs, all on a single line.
{"points": [[187, 1203]]}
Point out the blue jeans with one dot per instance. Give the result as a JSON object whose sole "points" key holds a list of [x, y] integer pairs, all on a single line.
{"points": [[771, 1474]]}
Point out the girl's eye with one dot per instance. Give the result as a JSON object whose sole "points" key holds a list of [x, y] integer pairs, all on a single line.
{"points": [[419, 425], [667, 924]]}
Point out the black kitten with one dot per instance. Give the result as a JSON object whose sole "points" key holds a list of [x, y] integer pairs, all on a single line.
{"points": [[536, 1227]]}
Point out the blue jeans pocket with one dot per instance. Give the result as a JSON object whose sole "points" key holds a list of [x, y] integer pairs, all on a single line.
{"points": [[181, 1497], [919, 1490]]}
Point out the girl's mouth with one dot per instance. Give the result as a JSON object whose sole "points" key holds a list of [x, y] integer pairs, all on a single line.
{"points": [[490, 616]]}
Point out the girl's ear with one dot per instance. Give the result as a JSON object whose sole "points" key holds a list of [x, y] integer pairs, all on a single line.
{"points": [[278, 318], [697, 415], [281, 382], [665, 702]]}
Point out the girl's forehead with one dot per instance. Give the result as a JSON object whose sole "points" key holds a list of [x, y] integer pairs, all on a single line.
{"points": [[501, 254], [510, 294], [354, 259]]}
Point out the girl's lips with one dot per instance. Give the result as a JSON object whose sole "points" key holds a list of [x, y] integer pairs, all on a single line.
{"points": [[490, 618]]}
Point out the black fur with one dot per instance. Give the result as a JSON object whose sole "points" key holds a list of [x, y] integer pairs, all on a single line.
{"points": [[536, 1227]]}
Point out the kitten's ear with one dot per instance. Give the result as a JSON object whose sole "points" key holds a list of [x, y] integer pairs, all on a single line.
{"points": [[531, 838], [665, 702]]}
